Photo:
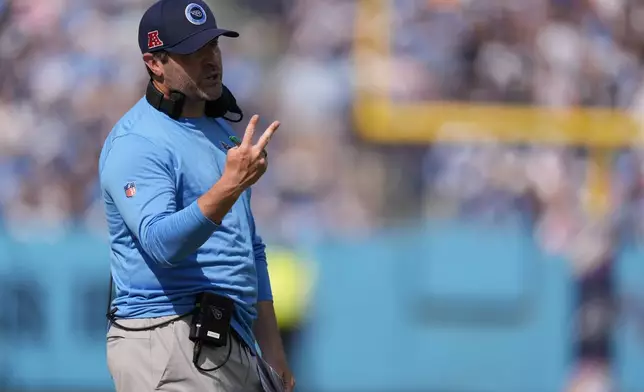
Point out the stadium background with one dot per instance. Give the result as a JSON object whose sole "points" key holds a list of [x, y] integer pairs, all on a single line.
{"points": [[454, 202]]}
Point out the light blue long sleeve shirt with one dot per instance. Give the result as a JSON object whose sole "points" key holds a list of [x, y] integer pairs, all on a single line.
{"points": [[163, 249]]}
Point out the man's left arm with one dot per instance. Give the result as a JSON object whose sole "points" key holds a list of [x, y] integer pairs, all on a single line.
{"points": [[265, 328]]}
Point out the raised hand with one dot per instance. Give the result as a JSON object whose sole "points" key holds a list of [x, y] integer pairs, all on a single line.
{"points": [[247, 162]]}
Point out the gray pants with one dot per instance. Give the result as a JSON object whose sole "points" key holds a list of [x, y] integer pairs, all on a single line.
{"points": [[161, 360]]}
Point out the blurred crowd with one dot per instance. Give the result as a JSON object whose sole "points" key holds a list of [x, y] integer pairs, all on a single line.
{"points": [[71, 68], [545, 53], [557, 53]]}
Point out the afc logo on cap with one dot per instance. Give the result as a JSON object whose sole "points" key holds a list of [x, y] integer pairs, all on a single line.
{"points": [[153, 39]]}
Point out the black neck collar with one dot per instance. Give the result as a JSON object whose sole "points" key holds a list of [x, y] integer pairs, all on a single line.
{"points": [[173, 106]]}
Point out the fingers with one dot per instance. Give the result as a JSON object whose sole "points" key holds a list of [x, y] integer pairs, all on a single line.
{"points": [[250, 131], [266, 137]]}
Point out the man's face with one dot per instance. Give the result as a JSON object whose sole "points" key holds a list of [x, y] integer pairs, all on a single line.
{"points": [[197, 75]]}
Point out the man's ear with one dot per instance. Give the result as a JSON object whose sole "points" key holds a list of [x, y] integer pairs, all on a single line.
{"points": [[153, 64]]}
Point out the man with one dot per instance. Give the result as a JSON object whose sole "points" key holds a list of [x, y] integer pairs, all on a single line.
{"points": [[176, 185]]}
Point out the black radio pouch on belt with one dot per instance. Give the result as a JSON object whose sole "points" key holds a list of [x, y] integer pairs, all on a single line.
{"points": [[210, 326], [211, 321]]}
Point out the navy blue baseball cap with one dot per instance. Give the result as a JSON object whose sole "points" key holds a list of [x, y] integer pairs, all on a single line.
{"points": [[178, 26]]}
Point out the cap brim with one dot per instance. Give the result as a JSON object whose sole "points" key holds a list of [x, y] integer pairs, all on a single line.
{"points": [[199, 40]]}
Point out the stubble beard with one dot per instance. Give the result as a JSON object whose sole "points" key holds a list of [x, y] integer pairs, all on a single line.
{"points": [[194, 92], [210, 93]]}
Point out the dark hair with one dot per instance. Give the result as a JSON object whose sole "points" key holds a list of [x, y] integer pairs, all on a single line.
{"points": [[162, 56]]}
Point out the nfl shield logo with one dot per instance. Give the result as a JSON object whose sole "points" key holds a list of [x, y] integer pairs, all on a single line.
{"points": [[130, 189]]}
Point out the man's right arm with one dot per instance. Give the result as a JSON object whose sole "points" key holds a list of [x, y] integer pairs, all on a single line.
{"points": [[216, 203], [166, 235]]}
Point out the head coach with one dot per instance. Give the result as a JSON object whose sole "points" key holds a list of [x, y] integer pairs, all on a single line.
{"points": [[193, 306]]}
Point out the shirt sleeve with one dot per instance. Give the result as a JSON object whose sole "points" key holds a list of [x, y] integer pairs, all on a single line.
{"points": [[138, 177], [264, 290]]}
